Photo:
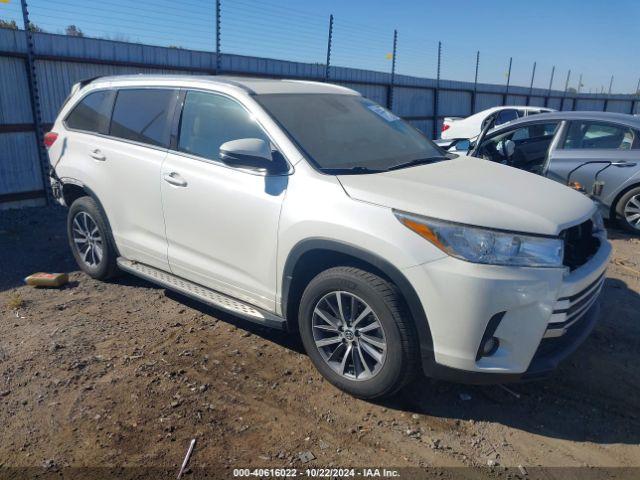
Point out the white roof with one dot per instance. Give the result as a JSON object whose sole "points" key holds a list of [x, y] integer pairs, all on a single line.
{"points": [[250, 84]]}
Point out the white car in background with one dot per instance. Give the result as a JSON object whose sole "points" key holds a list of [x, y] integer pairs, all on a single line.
{"points": [[470, 127]]}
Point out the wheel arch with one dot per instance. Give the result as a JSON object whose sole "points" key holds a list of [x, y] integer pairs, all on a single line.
{"points": [[310, 257], [72, 190]]}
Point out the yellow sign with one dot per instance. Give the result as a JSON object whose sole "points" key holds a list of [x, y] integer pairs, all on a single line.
{"points": [[5, 1], [389, 56]]}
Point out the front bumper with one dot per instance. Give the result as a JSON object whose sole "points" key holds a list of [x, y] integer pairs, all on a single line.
{"points": [[545, 314]]}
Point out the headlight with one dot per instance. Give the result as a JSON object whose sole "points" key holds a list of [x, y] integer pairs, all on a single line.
{"points": [[480, 245]]}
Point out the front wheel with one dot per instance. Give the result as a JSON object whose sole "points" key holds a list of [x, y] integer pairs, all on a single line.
{"points": [[357, 332], [628, 210]]}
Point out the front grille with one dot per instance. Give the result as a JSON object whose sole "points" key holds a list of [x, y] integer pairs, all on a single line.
{"points": [[579, 244]]}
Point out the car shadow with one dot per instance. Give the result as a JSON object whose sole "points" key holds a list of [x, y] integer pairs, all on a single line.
{"points": [[592, 397]]}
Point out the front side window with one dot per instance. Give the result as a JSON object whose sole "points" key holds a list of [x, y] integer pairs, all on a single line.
{"points": [[142, 115], [528, 149], [595, 135], [92, 113], [209, 120], [348, 133]]}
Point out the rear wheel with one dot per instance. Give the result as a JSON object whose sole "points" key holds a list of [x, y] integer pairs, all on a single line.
{"points": [[628, 210], [90, 239], [357, 332]]}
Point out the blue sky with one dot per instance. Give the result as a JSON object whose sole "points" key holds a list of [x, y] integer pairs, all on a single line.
{"points": [[590, 37]]}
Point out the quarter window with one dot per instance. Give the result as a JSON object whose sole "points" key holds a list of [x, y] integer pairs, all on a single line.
{"points": [[142, 115], [209, 120], [594, 135], [92, 113]]}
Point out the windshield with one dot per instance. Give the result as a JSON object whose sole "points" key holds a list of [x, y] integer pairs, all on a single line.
{"points": [[348, 133]]}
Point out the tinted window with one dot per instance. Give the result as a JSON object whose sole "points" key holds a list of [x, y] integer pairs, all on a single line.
{"points": [[341, 132], [141, 115], [209, 120], [92, 113], [506, 116], [594, 135]]}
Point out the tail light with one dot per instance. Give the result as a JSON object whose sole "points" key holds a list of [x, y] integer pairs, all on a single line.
{"points": [[50, 138], [445, 127]]}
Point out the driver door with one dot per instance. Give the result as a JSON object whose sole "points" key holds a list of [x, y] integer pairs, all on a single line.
{"points": [[529, 149]]}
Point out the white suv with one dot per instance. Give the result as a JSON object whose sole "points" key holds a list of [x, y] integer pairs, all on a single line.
{"points": [[306, 207]]}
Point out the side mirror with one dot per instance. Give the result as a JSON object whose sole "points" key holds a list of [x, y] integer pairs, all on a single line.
{"points": [[462, 145], [251, 153], [506, 148]]}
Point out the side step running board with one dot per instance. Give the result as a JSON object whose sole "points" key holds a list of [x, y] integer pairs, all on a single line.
{"points": [[202, 294]]}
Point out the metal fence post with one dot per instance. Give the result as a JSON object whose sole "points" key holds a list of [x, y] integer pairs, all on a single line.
{"points": [[35, 104], [610, 84], [635, 100], [436, 94], [533, 75], [329, 40], [475, 85], [218, 24], [566, 86], [546, 100], [393, 71], [579, 83], [506, 94]]}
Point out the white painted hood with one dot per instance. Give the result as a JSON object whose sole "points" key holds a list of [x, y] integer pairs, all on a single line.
{"points": [[476, 192]]}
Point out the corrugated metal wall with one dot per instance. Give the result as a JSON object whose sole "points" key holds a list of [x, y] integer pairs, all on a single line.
{"points": [[62, 61]]}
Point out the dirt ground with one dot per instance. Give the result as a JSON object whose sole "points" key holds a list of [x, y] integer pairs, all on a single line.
{"points": [[126, 374]]}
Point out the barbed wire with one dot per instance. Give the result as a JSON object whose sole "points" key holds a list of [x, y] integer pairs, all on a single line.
{"points": [[257, 28]]}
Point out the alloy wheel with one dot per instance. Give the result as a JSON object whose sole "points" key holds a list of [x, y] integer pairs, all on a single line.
{"points": [[87, 239], [349, 335], [632, 211]]}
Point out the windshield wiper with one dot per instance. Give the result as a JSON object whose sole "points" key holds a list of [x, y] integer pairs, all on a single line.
{"points": [[351, 170], [419, 161]]}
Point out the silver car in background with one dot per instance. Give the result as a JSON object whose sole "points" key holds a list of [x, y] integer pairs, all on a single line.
{"points": [[594, 152]]}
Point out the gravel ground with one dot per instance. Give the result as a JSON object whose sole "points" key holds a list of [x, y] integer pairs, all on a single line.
{"points": [[126, 374]]}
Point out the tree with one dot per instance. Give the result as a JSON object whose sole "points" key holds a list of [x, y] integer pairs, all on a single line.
{"points": [[73, 31], [10, 25], [571, 90], [35, 28]]}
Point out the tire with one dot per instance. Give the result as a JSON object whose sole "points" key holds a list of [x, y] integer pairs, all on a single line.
{"points": [[627, 207], [97, 257], [365, 374]]}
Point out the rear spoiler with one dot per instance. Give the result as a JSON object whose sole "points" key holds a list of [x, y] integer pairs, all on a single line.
{"points": [[77, 87]]}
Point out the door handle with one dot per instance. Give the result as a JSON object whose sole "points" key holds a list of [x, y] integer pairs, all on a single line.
{"points": [[97, 155], [174, 178], [624, 164]]}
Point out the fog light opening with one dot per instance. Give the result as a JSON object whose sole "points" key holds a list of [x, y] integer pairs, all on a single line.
{"points": [[490, 347]]}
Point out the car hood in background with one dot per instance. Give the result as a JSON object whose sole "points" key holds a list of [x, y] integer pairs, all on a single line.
{"points": [[476, 192]]}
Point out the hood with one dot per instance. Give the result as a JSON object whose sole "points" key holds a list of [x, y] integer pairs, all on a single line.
{"points": [[476, 192]]}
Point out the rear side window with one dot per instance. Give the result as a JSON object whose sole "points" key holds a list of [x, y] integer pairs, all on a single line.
{"points": [[92, 113], [142, 115], [209, 120], [595, 135]]}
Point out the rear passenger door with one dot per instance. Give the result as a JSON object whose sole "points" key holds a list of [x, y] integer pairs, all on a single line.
{"points": [[127, 171], [585, 150], [221, 221]]}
